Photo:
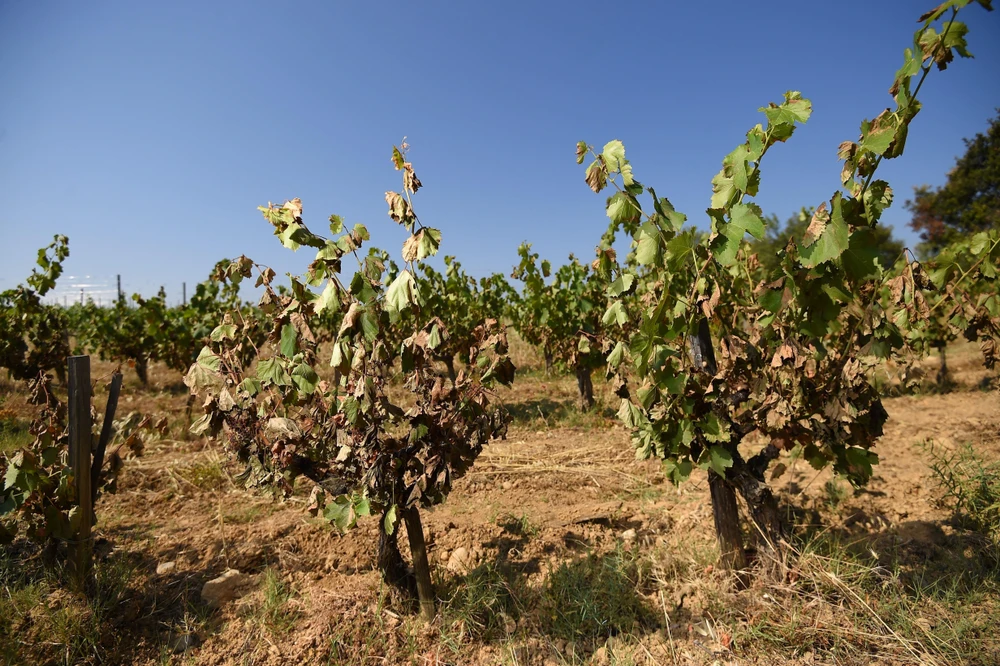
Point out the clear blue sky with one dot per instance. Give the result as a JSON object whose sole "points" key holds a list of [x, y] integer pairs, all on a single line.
{"points": [[148, 132]]}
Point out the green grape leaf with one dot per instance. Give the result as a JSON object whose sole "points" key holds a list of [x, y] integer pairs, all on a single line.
{"points": [[362, 289], [328, 298], [748, 218], [877, 136], [434, 337], [630, 415], [614, 155], [647, 249], [390, 520], [223, 332], [616, 355], [209, 359], [615, 314], [623, 208], [624, 284], [13, 477], [350, 408], [340, 512], [401, 293], [336, 224], [272, 370], [289, 340], [421, 245], [675, 383], [859, 462], [251, 385], [362, 506], [286, 235], [369, 325], [831, 242], [678, 471], [204, 372], [860, 260], [429, 243], [723, 189], [743, 219], [720, 460], [305, 378], [979, 243], [714, 429], [794, 109]]}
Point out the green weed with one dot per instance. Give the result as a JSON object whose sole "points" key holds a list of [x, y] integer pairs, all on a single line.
{"points": [[836, 492], [518, 525], [275, 611], [594, 598], [484, 605], [14, 435], [48, 624], [205, 474], [970, 487]]}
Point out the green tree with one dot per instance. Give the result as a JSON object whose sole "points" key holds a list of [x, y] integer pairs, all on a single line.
{"points": [[968, 202]]}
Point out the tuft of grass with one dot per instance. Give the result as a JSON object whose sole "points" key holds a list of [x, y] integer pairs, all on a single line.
{"points": [[594, 598], [836, 492], [14, 434], [48, 624], [275, 611], [843, 602], [970, 487], [647, 494], [376, 639], [484, 605], [245, 513], [518, 525], [205, 473]]}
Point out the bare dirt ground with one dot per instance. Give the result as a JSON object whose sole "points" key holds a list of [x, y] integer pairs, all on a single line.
{"points": [[563, 487]]}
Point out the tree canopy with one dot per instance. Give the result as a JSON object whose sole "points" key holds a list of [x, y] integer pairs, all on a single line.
{"points": [[970, 199]]}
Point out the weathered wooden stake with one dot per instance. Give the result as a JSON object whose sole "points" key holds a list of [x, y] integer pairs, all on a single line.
{"points": [[106, 432], [421, 567], [79, 458]]}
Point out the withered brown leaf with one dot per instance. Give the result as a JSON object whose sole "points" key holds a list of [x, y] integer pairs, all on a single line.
{"points": [[816, 225]]}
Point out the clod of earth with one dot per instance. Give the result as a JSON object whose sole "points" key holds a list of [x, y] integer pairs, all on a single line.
{"points": [[220, 591], [461, 561]]}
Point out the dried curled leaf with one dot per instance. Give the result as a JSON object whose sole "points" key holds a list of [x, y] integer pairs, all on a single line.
{"points": [[817, 225]]}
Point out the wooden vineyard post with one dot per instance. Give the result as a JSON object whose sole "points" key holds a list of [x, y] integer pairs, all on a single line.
{"points": [[106, 432], [79, 459], [421, 567]]}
